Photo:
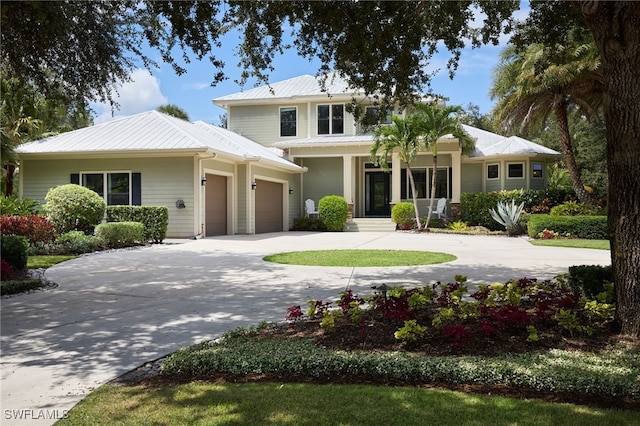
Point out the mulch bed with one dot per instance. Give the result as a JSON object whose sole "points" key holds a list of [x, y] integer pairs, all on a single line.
{"points": [[150, 375]]}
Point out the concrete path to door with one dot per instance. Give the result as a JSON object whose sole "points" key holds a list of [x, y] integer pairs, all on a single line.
{"points": [[114, 311]]}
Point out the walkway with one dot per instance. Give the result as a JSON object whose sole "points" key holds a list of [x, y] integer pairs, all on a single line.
{"points": [[115, 311]]}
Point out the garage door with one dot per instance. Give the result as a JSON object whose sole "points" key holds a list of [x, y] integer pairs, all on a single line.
{"points": [[268, 207], [216, 205]]}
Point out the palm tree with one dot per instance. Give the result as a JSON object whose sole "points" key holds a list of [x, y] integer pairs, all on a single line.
{"points": [[539, 81], [433, 123], [401, 134]]}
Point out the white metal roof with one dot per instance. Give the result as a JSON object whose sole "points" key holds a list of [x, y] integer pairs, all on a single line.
{"points": [[154, 131], [301, 86], [487, 143]]}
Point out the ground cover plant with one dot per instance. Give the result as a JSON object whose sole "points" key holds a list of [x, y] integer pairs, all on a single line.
{"points": [[573, 243], [523, 337], [360, 258]]}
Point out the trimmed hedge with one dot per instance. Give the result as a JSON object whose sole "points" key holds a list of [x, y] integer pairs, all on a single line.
{"points": [[474, 206], [154, 219], [121, 234], [588, 227], [333, 210], [14, 251], [308, 224], [403, 214]]}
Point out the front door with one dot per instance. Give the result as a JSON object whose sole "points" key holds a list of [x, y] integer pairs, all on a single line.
{"points": [[377, 194]]}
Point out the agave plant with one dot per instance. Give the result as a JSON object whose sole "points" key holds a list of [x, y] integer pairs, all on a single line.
{"points": [[508, 215]]}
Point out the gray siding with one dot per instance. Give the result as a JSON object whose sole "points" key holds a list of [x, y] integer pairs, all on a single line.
{"points": [[323, 178], [471, 178], [164, 181]]}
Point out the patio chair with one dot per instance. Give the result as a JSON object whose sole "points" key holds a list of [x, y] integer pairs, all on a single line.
{"points": [[310, 208], [441, 209]]}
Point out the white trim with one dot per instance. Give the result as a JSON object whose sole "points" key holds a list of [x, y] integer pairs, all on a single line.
{"points": [[509, 163]]}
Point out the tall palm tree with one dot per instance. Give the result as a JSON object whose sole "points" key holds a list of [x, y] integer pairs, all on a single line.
{"points": [[433, 123], [402, 135], [540, 81]]}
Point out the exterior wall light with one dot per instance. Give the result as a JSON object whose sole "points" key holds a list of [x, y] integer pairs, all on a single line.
{"points": [[203, 181], [253, 185]]}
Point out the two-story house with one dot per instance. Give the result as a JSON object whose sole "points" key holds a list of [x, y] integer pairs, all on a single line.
{"points": [[315, 131], [285, 143]]}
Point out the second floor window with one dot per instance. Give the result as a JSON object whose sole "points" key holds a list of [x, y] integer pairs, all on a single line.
{"points": [[330, 119], [288, 121]]}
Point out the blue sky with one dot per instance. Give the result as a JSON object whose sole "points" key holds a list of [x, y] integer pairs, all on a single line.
{"points": [[193, 93]]}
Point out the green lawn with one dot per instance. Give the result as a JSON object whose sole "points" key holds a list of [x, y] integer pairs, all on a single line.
{"points": [[304, 404], [573, 243], [35, 262], [360, 258]]}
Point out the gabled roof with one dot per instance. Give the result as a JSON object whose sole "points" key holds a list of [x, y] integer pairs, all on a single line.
{"points": [[154, 132], [296, 87]]}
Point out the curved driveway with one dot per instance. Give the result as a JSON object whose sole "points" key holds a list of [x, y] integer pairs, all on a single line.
{"points": [[114, 311]]}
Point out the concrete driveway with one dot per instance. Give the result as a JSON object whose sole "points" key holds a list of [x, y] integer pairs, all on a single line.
{"points": [[114, 311]]}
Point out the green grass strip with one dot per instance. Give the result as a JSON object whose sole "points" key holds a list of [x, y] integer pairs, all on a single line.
{"points": [[360, 258], [573, 243], [310, 405], [35, 262]]}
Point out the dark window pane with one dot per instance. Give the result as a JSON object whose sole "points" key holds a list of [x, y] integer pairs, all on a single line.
{"points": [[403, 184], [95, 182], [420, 180], [492, 171], [537, 170], [118, 189], [287, 122], [516, 170], [337, 119], [323, 119]]}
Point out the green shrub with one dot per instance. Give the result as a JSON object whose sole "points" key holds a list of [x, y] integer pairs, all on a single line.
{"points": [[588, 227], [73, 207], [403, 214], [14, 251], [15, 206], [18, 286], [76, 242], [121, 234], [36, 228], [313, 224], [574, 208], [154, 219], [474, 206], [333, 210], [590, 280]]}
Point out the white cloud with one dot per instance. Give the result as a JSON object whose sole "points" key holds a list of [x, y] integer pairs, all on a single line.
{"points": [[141, 94]]}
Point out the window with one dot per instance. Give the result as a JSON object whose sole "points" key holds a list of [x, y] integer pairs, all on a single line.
{"points": [[115, 187], [536, 171], [288, 121], [443, 182], [493, 171], [423, 185], [371, 116], [515, 170], [330, 119]]}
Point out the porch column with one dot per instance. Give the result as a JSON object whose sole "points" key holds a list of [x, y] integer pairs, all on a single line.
{"points": [[456, 172], [395, 178], [348, 182]]}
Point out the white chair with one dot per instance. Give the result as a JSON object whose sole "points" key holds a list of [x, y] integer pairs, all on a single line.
{"points": [[310, 208], [440, 210]]}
